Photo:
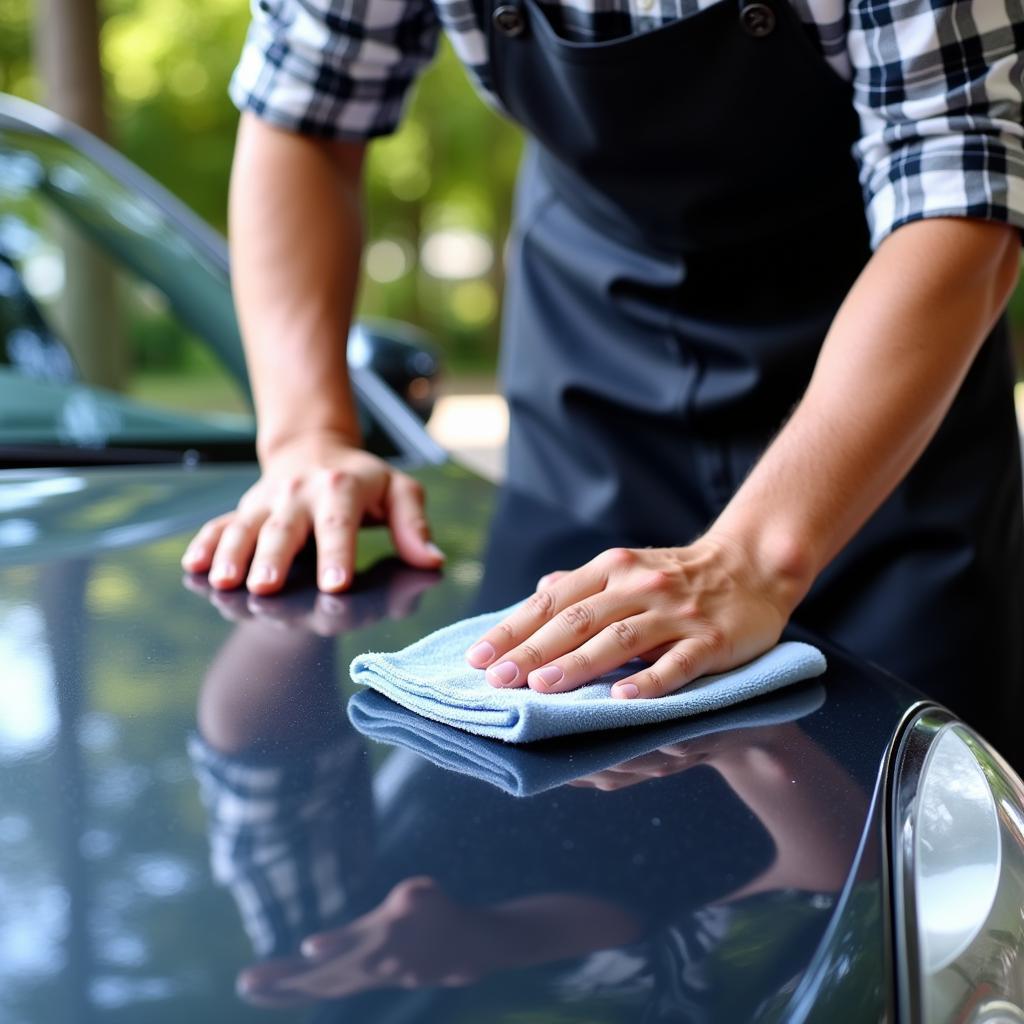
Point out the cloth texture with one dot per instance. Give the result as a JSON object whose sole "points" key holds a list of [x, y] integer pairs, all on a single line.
{"points": [[432, 678], [526, 771], [937, 85]]}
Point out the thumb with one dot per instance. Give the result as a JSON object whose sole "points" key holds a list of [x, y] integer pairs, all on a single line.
{"points": [[408, 523]]}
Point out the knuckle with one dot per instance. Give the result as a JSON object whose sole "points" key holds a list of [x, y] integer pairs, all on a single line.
{"points": [[581, 662], [682, 660], [653, 581], [579, 618], [235, 535], [335, 521], [655, 682], [715, 639], [331, 553], [540, 602], [626, 635], [504, 633], [413, 487], [530, 654], [618, 558], [253, 496]]}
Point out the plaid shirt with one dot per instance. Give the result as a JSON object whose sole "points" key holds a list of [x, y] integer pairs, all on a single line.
{"points": [[938, 84]]}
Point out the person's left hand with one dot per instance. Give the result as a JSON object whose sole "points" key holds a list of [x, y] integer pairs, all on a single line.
{"points": [[690, 611], [417, 937], [390, 589]]}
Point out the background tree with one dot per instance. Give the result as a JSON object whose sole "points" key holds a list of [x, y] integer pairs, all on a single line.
{"points": [[67, 52], [438, 190]]}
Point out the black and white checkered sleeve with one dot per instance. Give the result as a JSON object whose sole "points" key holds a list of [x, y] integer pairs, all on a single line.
{"points": [[333, 68], [288, 838], [939, 87]]}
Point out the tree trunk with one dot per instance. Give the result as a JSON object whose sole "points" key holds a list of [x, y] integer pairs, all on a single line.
{"points": [[67, 48]]}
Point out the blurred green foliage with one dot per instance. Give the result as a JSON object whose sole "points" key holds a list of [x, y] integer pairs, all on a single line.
{"points": [[451, 166]]}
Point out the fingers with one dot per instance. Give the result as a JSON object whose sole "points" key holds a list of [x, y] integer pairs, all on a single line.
{"points": [[562, 654], [619, 640], [198, 555], [234, 549], [260, 984], [681, 664], [336, 520], [530, 616], [407, 521], [258, 542], [321, 945], [281, 537]]}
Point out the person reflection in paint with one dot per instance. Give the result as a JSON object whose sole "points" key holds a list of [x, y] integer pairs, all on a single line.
{"points": [[333, 911]]}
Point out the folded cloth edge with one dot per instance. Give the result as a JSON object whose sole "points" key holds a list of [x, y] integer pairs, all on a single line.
{"points": [[788, 662]]}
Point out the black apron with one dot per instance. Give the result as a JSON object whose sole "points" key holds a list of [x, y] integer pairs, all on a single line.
{"points": [[688, 221]]}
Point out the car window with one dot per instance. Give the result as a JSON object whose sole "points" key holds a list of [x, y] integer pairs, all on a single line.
{"points": [[97, 286], [117, 327]]}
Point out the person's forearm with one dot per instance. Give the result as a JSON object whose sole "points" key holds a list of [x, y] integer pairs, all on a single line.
{"points": [[296, 237], [889, 370]]}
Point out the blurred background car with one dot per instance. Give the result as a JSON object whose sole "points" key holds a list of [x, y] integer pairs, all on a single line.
{"points": [[100, 268]]}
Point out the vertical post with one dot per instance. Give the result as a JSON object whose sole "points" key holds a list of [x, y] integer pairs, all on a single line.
{"points": [[67, 52]]}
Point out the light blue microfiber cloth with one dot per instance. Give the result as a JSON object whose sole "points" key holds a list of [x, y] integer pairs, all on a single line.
{"points": [[526, 771], [432, 678]]}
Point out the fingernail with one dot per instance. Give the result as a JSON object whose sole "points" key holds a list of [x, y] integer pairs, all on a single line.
{"points": [[480, 654], [332, 578], [435, 550], [191, 554], [504, 673], [626, 690], [548, 675], [263, 574], [223, 572], [254, 986]]}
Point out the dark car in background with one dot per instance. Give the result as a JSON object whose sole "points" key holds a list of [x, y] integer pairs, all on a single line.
{"points": [[201, 820]]}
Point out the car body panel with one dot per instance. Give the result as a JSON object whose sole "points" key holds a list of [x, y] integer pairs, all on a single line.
{"points": [[111, 911]]}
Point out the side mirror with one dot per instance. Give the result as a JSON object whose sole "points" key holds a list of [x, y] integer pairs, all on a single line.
{"points": [[403, 356]]}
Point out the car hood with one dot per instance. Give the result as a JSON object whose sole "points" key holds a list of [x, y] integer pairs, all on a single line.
{"points": [[184, 798]]}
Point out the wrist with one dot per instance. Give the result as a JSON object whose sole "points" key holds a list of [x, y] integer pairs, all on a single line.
{"points": [[783, 563], [270, 444]]}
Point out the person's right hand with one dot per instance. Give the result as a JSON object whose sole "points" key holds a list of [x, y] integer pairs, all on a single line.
{"points": [[318, 483]]}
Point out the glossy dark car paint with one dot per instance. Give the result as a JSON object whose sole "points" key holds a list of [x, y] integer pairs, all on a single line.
{"points": [[111, 912]]}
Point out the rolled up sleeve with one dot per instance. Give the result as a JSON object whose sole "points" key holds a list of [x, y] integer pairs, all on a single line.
{"points": [[333, 68], [939, 88]]}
